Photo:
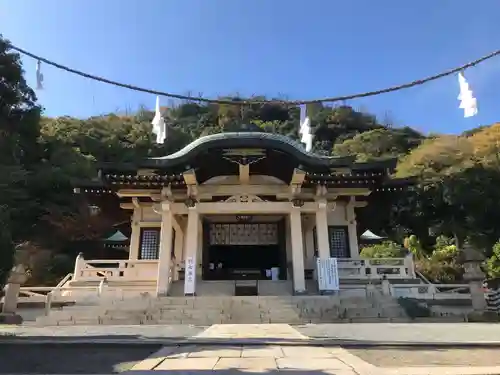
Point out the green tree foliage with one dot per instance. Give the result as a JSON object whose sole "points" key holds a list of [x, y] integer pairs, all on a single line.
{"points": [[386, 249], [493, 263], [19, 154], [379, 143], [6, 246], [442, 265]]}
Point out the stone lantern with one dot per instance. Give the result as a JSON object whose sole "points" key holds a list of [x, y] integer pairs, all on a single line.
{"points": [[16, 278], [472, 260]]}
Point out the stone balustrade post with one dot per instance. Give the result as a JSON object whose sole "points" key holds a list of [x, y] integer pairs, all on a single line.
{"points": [[79, 265], [410, 265], [386, 287], [103, 285]]}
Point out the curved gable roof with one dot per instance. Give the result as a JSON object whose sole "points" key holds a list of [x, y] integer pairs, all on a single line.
{"points": [[259, 140]]}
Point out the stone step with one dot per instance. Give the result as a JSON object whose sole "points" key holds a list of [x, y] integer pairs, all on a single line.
{"points": [[229, 309]]}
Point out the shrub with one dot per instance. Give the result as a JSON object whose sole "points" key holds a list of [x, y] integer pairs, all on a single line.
{"points": [[386, 249]]}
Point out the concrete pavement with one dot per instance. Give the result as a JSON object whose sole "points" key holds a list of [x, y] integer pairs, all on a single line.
{"points": [[270, 348]]}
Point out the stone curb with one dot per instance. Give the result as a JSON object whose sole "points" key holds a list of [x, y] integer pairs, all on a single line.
{"points": [[242, 342]]}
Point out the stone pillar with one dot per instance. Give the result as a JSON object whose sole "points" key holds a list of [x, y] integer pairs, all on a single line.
{"points": [[352, 229], [472, 260], [164, 257], [322, 239], [191, 250], [299, 284]]}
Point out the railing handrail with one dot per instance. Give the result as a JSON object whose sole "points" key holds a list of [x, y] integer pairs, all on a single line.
{"points": [[424, 279], [134, 261], [64, 280]]}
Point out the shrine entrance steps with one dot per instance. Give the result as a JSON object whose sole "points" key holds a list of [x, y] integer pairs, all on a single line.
{"points": [[206, 310], [229, 288]]}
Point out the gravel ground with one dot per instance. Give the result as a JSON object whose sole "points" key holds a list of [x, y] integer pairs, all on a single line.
{"points": [[96, 332], [426, 333], [71, 359], [413, 356]]}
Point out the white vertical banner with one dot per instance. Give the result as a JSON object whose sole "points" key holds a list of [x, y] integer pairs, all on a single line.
{"points": [[328, 275], [189, 276]]}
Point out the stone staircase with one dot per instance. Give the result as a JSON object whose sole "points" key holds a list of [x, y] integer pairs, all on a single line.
{"points": [[207, 310]]}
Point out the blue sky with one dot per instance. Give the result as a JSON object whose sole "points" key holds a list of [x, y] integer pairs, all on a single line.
{"points": [[302, 49]]}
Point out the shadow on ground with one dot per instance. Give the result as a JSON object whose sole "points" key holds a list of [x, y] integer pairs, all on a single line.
{"points": [[19, 355], [71, 358]]}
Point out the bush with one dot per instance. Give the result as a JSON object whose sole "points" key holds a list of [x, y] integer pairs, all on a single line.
{"points": [[492, 264], [442, 265], [386, 249]]}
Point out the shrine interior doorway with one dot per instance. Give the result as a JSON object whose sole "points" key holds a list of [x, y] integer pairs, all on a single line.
{"points": [[246, 247]]}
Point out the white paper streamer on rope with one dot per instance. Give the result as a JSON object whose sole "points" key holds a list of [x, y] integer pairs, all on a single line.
{"points": [[305, 128], [159, 126], [467, 101], [39, 75]]}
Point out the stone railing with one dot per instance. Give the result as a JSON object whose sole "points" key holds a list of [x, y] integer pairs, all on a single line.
{"points": [[431, 291], [38, 294], [376, 268], [115, 270]]}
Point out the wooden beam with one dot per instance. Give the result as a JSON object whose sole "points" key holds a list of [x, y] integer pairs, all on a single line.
{"points": [[190, 177], [124, 193], [244, 174], [298, 177]]}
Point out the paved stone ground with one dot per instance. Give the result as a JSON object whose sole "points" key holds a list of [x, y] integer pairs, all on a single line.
{"points": [[236, 359]]}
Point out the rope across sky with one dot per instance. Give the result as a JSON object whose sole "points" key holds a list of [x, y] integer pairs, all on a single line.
{"points": [[248, 102]]}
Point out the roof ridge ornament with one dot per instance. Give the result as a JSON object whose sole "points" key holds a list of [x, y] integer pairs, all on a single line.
{"points": [[244, 198]]}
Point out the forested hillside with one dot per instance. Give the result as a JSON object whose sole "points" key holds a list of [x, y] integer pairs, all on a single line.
{"points": [[457, 193]]}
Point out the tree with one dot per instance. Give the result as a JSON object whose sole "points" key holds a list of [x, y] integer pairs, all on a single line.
{"points": [[437, 157], [6, 247], [379, 143], [19, 153]]}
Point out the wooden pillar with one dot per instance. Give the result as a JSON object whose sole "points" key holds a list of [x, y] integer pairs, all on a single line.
{"points": [[135, 236], [166, 232], [191, 251], [178, 247], [352, 229], [299, 284]]}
